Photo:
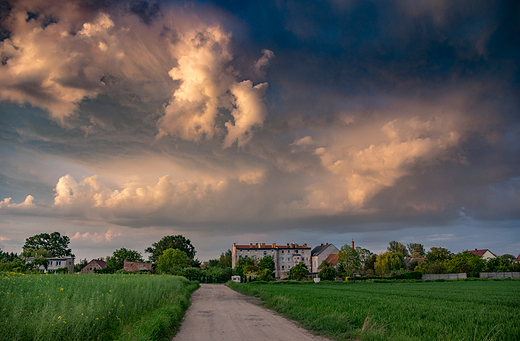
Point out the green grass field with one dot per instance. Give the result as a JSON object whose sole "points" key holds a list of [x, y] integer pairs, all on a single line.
{"points": [[97, 307], [458, 310]]}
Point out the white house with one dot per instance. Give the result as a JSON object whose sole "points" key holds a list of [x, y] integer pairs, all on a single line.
{"points": [[484, 254], [319, 254], [56, 263]]}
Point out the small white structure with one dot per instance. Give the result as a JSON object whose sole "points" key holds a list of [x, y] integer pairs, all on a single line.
{"points": [[56, 263], [235, 279], [317, 280]]}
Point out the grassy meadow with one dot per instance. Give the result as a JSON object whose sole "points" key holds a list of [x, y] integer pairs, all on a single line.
{"points": [[452, 310], [97, 307]]}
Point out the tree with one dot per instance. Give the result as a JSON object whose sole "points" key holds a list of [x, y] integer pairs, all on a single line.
{"points": [[83, 263], [327, 272], [388, 262], [55, 244], [172, 258], [225, 259], [265, 274], [438, 254], [350, 259], [30, 252], [119, 257], [243, 266], [172, 242], [508, 258], [266, 262], [396, 247], [299, 271], [40, 261], [465, 262], [416, 250]]}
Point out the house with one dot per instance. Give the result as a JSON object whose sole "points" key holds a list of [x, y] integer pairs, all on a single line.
{"points": [[93, 265], [320, 253], [410, 260], [284, 256], [137, 266], [332, 259], [517, 259], [56, 263], [484, 254]]}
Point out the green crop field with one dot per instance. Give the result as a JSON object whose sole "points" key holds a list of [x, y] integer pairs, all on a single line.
{"points": [[458, 310], [97, 307]]}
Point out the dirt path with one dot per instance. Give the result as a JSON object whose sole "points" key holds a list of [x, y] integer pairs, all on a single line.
{"points": [[219, 313]]}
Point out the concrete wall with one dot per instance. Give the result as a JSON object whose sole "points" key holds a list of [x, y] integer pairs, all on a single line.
{"points": [[499, 275], [431, 277]]}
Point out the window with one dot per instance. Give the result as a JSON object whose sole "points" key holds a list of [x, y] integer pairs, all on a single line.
{"points": [[303, 252], [254, 257], [295, 251], [265, 253], [282, 251], [58, 263], [272, 257], [288, 259], [50, 263], [272, 250], [288, 251], [239, 257], [90, 269], [283, 267], [288, 267], [282, 259], [245, 256]]}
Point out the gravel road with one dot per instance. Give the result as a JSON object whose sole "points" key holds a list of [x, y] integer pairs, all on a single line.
{"points": [[219, 313]]}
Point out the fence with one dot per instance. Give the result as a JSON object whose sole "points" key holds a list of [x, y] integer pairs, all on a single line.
{"points": [[430, 277], [499, 275]]}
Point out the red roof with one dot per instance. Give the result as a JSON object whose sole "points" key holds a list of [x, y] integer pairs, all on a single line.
{"points": [[332, 259], [479, 253]]}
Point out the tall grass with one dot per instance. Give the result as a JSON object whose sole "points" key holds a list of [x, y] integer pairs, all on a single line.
{"points": [[470, 311], [83, 307]]}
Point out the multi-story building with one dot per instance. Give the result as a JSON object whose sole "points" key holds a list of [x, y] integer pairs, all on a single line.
{"points": [[284, 256]]}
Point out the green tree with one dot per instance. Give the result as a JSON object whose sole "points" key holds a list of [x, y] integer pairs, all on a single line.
{"points": [[465, 262], [119, 257], [225, 259], [40, 261], [298, 272], [388, 262], [55, 244], [30, 252], [172, 242], [396, 247], [265, 274], [266, 262], [327, 273], [172, 258], [416, 250], [438, 254], [497, 265], [83, 263], [350, 258], [508, 258], [242, 265]]}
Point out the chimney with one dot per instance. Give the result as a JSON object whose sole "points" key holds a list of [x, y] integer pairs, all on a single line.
{"points": [[273, 245], [304, 245], [250, 245], [263, 245], [321, 244], [352, 243]]}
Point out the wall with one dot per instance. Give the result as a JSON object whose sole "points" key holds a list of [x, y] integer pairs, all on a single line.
{"points": [[431, 277], [499, 275]]}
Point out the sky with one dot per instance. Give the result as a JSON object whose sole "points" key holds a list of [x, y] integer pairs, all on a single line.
{"points": [[260, 121]]}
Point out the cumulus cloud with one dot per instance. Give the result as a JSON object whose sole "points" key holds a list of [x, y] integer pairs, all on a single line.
{"points": [[263, 62], [58, 56], [208, 86]]}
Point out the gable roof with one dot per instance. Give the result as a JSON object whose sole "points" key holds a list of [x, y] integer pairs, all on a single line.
{"points": [[332, 259], [100, 262], [319, 249], [480, 253]]}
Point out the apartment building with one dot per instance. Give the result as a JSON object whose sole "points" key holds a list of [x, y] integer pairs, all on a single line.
{"points": [[284, 256]]}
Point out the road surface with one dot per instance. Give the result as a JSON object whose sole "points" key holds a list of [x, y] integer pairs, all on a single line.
{"points": [[219, 313]]}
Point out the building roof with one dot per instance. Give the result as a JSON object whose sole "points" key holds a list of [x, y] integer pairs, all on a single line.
{"points": [[332, 259], [409, 260], [100, 262], [480, 253], [319, 249]]}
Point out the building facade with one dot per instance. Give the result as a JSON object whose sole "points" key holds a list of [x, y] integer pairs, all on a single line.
{"points": [[484, 254], [284, 256], [319, 254], [93, 265], [56, 263]]}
